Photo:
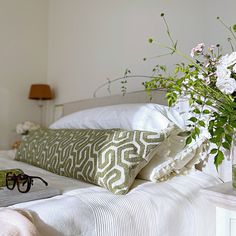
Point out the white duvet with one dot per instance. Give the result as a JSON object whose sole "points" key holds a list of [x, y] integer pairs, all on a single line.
{"points": [[171, 208]]}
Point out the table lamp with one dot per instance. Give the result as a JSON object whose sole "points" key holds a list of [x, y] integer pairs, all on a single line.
{"points": [[40, 92]]}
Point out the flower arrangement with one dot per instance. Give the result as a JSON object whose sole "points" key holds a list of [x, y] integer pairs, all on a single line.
{"points": [[25, 127], [208, 80]]}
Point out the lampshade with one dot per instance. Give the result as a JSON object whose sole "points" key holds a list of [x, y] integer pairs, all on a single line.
{"points": [[40, 92]]}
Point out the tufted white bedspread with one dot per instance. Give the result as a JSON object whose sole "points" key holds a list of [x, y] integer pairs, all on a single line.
{"points": [[171, 208]]}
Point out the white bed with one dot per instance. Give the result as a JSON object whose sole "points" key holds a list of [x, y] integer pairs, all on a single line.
{"points": [[171, 208], [174, 207]]}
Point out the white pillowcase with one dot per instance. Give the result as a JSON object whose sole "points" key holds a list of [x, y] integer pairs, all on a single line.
{"points": [[147, 116], [174, 158], [224, 170]]}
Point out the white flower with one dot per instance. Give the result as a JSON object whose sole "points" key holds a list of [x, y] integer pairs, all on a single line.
{"points": [[200, 76], [26, 127], [197, 50], [228, 60], [226, 86], [234, 68], [19, 129], [222, 72], [224, 82], [211, 48], [192, 78], [34, 127], [205, 79]]}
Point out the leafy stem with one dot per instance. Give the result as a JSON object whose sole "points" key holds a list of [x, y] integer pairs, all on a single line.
{"points": [[109, 82], [227, 27], [174, 45], [231, 45]]}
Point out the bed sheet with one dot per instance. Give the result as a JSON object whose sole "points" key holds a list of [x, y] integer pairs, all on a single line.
{"points": [[171, 208]]}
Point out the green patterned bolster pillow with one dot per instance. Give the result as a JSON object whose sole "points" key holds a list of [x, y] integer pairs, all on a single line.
{"points": [[109, 158], [3, 174]]}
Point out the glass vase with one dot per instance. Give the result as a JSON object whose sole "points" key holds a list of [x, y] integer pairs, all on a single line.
{"points": [[233, 158]]}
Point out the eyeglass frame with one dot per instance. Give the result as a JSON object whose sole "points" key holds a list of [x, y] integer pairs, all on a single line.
{"points": [[16, 181]]}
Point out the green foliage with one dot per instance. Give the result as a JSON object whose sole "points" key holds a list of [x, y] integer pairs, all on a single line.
{"points": [[150, 40], [196, 79], [212, 109], [234, 28], [124, 81], [184, 133], [188, 140], [201, 123], [219, 157]]}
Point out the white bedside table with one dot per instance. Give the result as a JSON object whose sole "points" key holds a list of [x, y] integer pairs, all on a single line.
{"points": [[223, 196]]}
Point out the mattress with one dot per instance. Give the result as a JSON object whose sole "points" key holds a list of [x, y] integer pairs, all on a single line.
{"points": [[171, 208]]}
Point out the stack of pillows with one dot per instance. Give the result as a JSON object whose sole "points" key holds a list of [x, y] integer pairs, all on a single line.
{"points": [[111, 146]]}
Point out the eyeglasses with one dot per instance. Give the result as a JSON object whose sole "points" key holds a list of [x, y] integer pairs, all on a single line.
{"points": [[23, 181]]}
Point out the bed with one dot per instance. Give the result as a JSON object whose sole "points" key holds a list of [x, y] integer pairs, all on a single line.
{"points": [[172, 207]]}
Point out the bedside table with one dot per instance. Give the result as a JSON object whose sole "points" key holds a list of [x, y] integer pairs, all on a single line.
{"points": [[223, 196]]}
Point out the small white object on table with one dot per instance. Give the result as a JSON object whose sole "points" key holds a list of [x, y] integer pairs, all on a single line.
{"points": [[223, 196]]}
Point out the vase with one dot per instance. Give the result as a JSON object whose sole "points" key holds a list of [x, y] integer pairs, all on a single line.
{"points": [[233, 158]]}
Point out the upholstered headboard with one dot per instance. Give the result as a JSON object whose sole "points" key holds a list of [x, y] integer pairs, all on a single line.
{"points": [[157, 96]]}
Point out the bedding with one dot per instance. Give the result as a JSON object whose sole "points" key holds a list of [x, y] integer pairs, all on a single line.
{"points": [[224, 171], [174, 157], [17, 223], [174, 207], [137, 116], [109, 158]]}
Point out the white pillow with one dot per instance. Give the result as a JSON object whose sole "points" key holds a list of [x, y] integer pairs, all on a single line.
{"points": [[224, 170], [147, 116], [173, 157]]}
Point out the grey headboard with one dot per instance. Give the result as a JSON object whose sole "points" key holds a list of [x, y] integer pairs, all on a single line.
{"points": [[158, 96]]}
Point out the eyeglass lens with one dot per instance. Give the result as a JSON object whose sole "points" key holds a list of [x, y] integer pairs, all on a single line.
{"points": [[22, 181]]}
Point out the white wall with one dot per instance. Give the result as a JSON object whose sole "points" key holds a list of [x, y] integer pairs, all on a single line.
{"points": [[23, 61], [90, 41], [214, 32]]}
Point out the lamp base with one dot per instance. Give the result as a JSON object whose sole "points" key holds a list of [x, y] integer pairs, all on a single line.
{"points": [[40, 105]]}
